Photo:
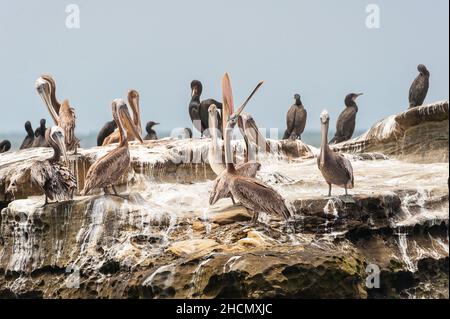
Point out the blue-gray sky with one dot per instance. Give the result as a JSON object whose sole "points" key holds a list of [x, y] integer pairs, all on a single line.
{"points": [[320, 49]]}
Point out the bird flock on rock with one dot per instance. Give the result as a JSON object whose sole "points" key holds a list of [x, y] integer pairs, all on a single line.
{"points": [[210, 118]]}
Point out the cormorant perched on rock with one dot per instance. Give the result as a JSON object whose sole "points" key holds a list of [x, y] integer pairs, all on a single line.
{"points": [[345, 125], [198, 110], [187, 132], [29, 139], [5, 146], [419, 88], [39, 135], [106, 131], [295, 120], [151, 133]]}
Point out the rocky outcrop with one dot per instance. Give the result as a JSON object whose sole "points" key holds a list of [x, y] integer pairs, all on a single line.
{"points": [[418, 135], [114, 247], [162, 240]]}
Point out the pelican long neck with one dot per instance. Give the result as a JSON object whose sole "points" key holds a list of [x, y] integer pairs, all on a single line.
{"points": [[228, 149], [53, 99], [324, 148], [213, 128], [56, 150], [123, 138], [136, 113]]}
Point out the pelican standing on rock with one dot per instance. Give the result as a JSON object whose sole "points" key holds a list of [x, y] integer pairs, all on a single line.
{"points": [[335, 168], [216, 156], [419, 88], [295, 120], [39, 135], [107, 171], [345, 125], [29, 139], [136, 128], [253, 194], [151, 133], [198, 110], [63, 114], [57, 181], [5, 146]]}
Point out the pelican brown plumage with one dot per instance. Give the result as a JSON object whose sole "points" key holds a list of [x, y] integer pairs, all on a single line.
{"points": [[56, 181], [63, 114], [107, 171], [335, 168], [250, 192], [216, 156], [133, 101]]}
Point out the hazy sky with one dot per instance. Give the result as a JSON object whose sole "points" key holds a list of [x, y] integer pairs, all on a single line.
{"points": [[320, 49]]}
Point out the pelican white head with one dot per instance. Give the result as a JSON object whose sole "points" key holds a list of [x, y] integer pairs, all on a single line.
{"points": [[324, 117]]}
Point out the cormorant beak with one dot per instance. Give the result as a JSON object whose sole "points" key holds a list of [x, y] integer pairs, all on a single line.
{"points": [[356, 96], [126, 119], [58, 137], [156, 123], [43, 89]]}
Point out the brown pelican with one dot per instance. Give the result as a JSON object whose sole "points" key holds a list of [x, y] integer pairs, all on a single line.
{"points": [[29, 139], [335, 168], [56, 180], [39, 135], [106, 171], [419, 88], [63, 114], [133, 101], [252, 136], [106, 131], [151, 133], [5, 146], [295, 120], [250, 192], [345, 125], [216, 156], [198, 110]]}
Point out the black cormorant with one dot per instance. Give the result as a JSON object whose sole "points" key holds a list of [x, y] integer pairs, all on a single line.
{"points": [[106, 131], [198, 110], [29, 139], [39, 133], [345, 125], [295, 120], [419, 88], [151, 133], [5, 146]]}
